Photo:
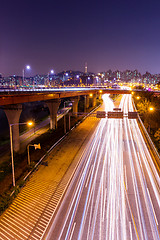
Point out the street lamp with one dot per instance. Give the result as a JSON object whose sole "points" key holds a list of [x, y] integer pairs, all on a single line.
{"points": [[50, 72], [36, 146], [151, 109], [26, 67], [11, 142]]}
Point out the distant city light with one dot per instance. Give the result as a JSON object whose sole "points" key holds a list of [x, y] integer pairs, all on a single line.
{"points": [[52, 71], [77, 76], [66, 74], [28, 67]]}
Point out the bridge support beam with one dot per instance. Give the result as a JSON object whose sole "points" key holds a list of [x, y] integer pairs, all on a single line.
{"points": [[75, 101], [13, 113], [94, 100], [53, 106], [100, 96], [86, 102]]}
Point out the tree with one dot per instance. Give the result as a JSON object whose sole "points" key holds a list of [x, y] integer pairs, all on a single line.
{"points": [[143, 106], [157, 136]]}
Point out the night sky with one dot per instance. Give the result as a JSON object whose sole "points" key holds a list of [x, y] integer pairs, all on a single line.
{"points": [[63, 35]]}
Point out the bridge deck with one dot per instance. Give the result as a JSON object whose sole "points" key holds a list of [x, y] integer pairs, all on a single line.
{"points": [[15, 97]]}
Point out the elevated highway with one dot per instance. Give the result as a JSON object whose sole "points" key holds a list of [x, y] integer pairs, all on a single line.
{"points": [[17, 96], [11, 101]]}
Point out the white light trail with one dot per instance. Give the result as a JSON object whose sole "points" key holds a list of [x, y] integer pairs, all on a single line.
{"points": [[117, 192]]}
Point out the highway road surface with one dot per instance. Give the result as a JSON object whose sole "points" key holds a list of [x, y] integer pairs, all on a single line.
{"points": [[115, 192]]}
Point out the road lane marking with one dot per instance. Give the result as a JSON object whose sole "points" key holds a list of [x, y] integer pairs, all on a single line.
{"points": [[125, 174], [72, 231], [4, 235], [130, 228], [9, 231], [89, 176], [152, 207]]}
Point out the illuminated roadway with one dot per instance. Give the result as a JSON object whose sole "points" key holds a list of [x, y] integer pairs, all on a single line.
{"points": [[115, 193]]}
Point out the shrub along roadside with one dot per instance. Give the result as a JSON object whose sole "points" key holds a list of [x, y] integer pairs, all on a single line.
{"points": [[143, 101]]}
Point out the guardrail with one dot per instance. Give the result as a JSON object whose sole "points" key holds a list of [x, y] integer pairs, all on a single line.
{"points": [[150, 144], [148, 140]]}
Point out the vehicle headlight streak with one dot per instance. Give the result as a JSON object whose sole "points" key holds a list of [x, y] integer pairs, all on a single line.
{"points": [[135, 185], [80, 186], [93, 146], [148, 203], [115, 207]]}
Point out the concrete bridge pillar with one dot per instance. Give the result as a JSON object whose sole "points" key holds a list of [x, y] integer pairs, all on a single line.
{"points": [[13, 113], [75, 101], [53, 106], [100, 96], [94, 100], [86, 102]]}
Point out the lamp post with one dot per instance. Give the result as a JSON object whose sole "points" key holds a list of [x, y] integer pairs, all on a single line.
{"points": [[23, 71], [11, 142]]}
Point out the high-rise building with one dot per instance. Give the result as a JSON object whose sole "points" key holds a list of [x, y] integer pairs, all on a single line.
{"points": [[86, 70], [1, 82]]}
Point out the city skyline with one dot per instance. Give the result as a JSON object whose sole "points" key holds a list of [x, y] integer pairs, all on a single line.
{"points": [[60, 36], [75, 72]]}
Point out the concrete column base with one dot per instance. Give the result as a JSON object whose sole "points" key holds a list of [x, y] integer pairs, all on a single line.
{"points": [[53, 106], [13, 113], [75, 101], [86, 102], [94, 100], [100, 96]]}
